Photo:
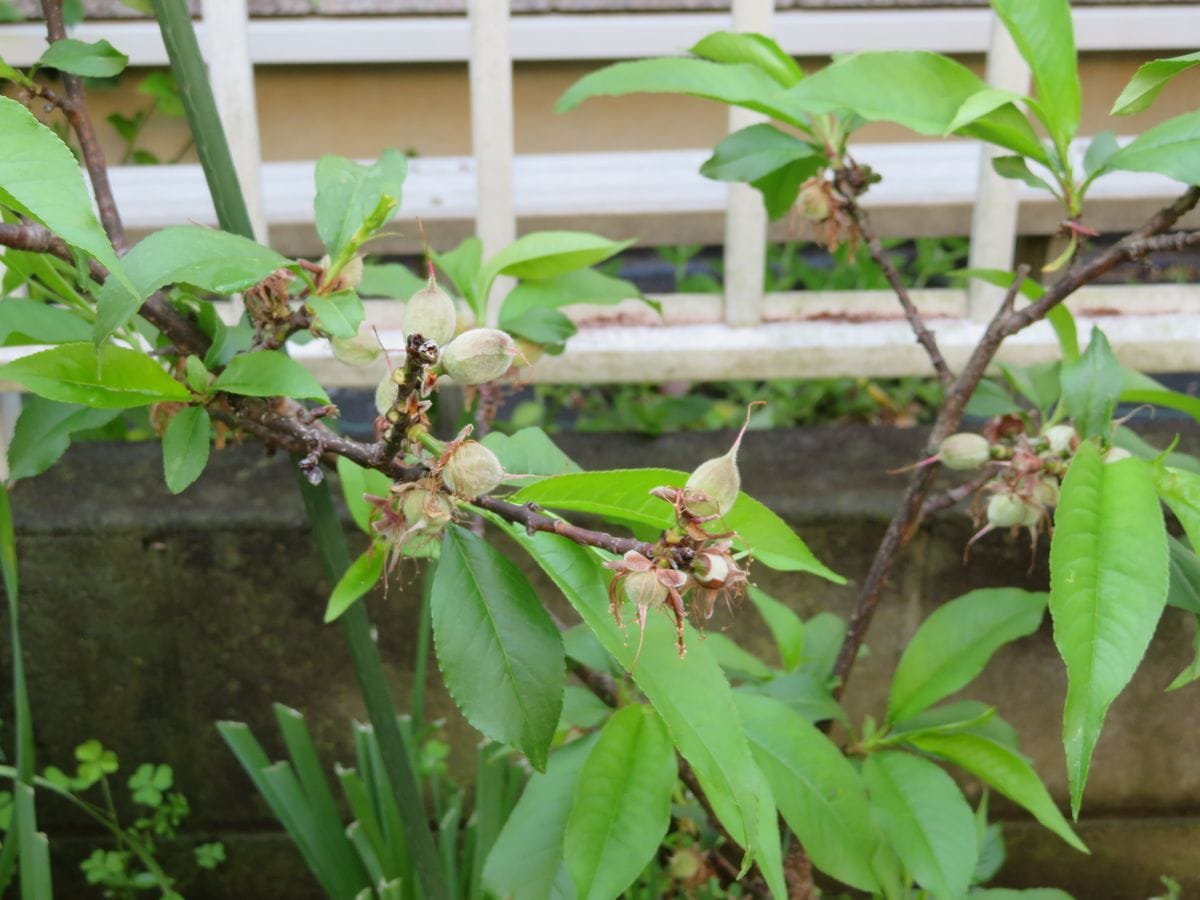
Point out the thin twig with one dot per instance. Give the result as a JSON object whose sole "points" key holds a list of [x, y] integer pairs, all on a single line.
{"points": [[954, 495], [74, 106], [924, 336]]}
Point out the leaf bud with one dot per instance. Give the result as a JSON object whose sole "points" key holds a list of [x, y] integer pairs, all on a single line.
{"points": [[1010, 511], [478, 355], [430, 313], [964, 451], [1062, 439], [472, 470]]}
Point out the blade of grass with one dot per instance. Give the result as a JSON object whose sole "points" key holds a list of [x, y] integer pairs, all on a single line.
{"points": [[364, 817], [21, 709], [326, 819], [366, 851], [34, 850]]}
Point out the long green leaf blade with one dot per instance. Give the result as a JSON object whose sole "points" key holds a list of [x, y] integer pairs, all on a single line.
{"points": [[1005, 770], [1108, 586], [739, 84], [954, 644], [185, 447], [1091, 386], [1044, 34], [40, 178], [527, 859], [268, 373], [1149, 80], [622, 806], [108, 377], [1171, 148], [500, 654], [820, 794], [927, 820]]}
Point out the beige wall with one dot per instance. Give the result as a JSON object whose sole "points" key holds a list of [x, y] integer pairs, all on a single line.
{"points": [[358, 110]]}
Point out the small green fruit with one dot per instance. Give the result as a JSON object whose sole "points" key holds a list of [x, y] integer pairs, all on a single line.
{"points": [[713, 487], [1009, 511], [964, 451], [472, 470], [430, 313], [385, 394], [431, 507], [351, 275], [1062, 439], [644, 589], [1116, 454], [360, 350], [478, 355]]}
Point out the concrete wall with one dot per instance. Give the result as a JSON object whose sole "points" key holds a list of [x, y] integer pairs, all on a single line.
{"points": [[146, 618]]}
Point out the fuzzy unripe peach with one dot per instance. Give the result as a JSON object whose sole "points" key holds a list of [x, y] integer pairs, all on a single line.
{"points": [[1062, 439], [430, 313], [479, 355], [1116, 454], [1008, 511], [421, 505], [644, 589], [964, 451], [472, 470]]}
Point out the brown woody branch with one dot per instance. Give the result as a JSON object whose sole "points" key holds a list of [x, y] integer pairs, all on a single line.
{"points": [[846, 182], [74, 107]]}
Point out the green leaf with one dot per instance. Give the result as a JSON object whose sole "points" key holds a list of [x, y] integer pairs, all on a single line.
{"points": [[205, 258], [1099, 152], [43, 433], [691, 694], [389, 280], [1192, 672], [269, 373], [1044, 34], [755, 49], [196, 375], [980, 104], [785, 626], [348, 194], [359, 578], [541, 326], [622, 806], [756, 151], [461, 265], [1091, 386], [40, 178], [624, 496], [579, 286], [736, 661], [1026, 894], [1180, 490], [1016, 168], [1171, 399], [921, 91], [98, 60], [1183, 589], [547, 254], [1108, 585], [357, 481], [338, 315], [499, 652], [819, 793], [924, 816], [1171, 148], [7, 72], [781, 187], [529, 452], [527, 857], [960, 716], [738, 84], [1149, 80], [1003, 769], [954, 644], [108, 377], [806, 691], [185, 447]]}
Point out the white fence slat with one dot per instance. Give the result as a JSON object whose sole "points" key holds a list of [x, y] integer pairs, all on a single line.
{"points": [[315, 40], [231, 74], [745, 218], [492, 132], [994, 218]]}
